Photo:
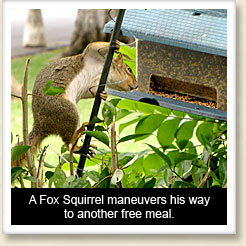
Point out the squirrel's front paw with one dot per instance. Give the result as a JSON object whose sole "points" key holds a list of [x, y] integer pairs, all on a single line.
{"points": [[117, 45], [104, 95]]}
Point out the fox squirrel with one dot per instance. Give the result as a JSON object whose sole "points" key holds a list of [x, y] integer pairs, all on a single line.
{"points": [[79, 76]]}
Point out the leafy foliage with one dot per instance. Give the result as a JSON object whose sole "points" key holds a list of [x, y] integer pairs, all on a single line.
{"points": [[178, 149]]}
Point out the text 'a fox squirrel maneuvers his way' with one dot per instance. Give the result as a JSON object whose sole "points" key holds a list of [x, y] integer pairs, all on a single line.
{"points": [[79, 76]]}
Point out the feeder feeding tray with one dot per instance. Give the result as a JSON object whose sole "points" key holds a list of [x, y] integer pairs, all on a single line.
{"points": [[171, 103]]}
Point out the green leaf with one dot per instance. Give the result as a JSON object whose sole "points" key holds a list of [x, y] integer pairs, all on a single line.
{"points": [[128, 123], [18, 151], [150, 184], [214, 176], [11, 137], [31, 179], [183, 167], [164, 111], [80, 183], [93, 175], [48, 165], [182, 184], [58, 178], [124, 158], [95, 120], [66, 156], [106, 182], [166, 132], [185, 133], [115, 101], [117, 176], [152, 164], [132, 136], [123, 113], [53, 91], [161, 154], [16, 172], [178, 113], [176, 156], [207, 144], [49, 174], [223, 170], [149, 124], [108, 111], [99, 128], [63, 149], [47, 86], [196, 117], [101, 136], [206, 130], [167, 176], [129, 51], [145, 107], [141, 183], [127, 104]]}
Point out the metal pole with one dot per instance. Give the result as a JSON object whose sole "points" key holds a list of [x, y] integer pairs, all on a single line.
{"points": [[115, 35]]}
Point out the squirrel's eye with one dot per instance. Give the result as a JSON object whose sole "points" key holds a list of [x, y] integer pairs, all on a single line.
{"points": [[129, 69]]}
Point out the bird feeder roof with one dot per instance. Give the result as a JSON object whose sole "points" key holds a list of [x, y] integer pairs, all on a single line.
{"points": [[203, 30]]}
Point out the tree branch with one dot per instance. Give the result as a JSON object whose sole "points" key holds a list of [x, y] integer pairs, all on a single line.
{"points": [[205, 178], [107, 177], [113, 146], [40, 167], [32, 168], [13, 95]]}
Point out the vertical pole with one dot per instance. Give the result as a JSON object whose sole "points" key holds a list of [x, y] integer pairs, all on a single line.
{"points": [[115, 35]]}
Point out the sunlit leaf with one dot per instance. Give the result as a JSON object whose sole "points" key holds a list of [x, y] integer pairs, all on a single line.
{"points": [[185, 133], [132, 136], [223, 170], [101, 136], [18, 151], [161, 154], [149, 124], [16, 172], [166, 132], [30, 178], [150, 184]]}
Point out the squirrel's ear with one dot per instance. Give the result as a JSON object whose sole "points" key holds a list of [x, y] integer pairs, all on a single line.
{"points": [[119, 59]]}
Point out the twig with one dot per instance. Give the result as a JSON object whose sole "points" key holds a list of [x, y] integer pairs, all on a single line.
{"points": [[178, 175], [13, 95], [20, 177], [113, 146], [206, 177], [32, 168], [127, 180], [71, 160], [59, 154], [40, 167], [107, 177], [103, 161]]}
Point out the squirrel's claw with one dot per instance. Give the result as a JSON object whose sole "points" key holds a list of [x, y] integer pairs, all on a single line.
{"points": [[104, 95], [117, 45]]}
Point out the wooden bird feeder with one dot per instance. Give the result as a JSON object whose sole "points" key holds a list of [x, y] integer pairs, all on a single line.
{"points": [[181, 58]]}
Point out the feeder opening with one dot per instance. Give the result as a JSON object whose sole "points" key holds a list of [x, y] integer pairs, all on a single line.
{"points": [[183, 91]]}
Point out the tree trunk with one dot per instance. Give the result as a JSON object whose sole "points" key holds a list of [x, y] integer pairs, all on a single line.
{"points": [[34, 30], [88, 28]]}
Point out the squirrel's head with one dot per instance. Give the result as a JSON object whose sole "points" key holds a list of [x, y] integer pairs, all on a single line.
{"points": [[121, 77]]}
